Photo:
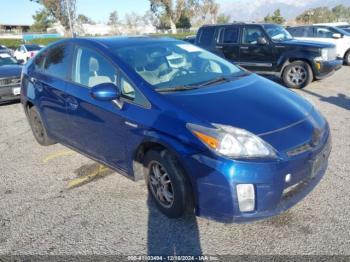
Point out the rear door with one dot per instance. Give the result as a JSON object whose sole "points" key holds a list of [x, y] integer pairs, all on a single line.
{"points": [[252, 55], [227, 43], [49, 80], [206, 38]]}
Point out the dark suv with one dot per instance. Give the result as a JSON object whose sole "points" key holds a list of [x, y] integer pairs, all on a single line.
{"points": [[269, 49]]}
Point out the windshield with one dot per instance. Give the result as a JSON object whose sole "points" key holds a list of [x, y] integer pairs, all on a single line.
{"points": [[6, 59], [277, 33], [167, 65], [342, 31], [32, 47]]}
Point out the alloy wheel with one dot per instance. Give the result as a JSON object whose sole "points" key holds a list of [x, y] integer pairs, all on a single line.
{"points": [[38, 128], [297, 75], [160, 184]]}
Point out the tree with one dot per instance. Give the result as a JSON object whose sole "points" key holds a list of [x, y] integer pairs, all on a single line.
{"points": [[208, 11], [42, 21], [276, 18], [83, 19], [113, 18], [223, 19], [169, 9], [317, 15], [341, 13], [184, 22], [64, 11]]}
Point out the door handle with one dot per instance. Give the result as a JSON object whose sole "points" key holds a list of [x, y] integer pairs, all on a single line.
{"points": [[244, 47], [72, 103], [219, 47]]}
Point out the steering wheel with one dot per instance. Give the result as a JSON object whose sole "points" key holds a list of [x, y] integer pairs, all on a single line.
{"points": [[181, 72]]}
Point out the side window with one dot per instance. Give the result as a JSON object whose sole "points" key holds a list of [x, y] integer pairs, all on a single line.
{"points": [[308, 32], [90, 68], [231, 36], [251, 35], [297, 32], [131, 93], [57, 61], [207, 36], [323, 32], [22, 49]]}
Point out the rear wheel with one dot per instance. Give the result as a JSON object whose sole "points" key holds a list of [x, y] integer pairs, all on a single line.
{"points": [[298, 74], [167, 183], [38, 128], [347, 58]]}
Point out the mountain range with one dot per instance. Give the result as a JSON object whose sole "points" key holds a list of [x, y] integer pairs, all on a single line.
{"points": [[256, 10]]}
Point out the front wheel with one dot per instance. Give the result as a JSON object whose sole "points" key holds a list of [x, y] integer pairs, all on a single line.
{"points": [[298, 74], [347, 58], [167, 183]]}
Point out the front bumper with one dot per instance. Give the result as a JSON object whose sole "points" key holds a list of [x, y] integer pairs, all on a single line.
{"points": [[216, 180], [323, 69], [7, 93]]}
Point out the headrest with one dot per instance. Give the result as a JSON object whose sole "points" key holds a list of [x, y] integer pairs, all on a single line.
{"points": [[93, 65]]}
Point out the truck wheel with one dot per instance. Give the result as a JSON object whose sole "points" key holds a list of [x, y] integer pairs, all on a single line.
{"points": [[38, 128], [167, 183], [347, 58], [298, 74]]}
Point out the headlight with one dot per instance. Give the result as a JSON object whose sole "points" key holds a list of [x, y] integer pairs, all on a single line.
{"points": [[232, 142], [324, 54]]}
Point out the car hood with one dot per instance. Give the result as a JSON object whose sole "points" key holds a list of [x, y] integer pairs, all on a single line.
{"points": [[252, 103], [304, 43], [10, 70]]}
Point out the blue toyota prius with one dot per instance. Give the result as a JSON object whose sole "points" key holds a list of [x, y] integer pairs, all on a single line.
{"points": [[206, 135]]}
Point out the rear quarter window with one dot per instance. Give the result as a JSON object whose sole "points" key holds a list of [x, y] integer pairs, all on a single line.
{"points": [[57, 61], [231, 36], [207, 36]]}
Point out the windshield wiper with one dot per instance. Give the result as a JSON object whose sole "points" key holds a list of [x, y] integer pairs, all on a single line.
{"points": [[217, 80], [176, 88]]}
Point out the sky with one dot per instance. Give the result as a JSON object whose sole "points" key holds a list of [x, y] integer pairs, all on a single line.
{"points": [[21, 11]]}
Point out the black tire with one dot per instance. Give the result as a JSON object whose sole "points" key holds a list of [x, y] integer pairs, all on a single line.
{"points": [[38, 129], [182, 195], [347, 58], [297, 74]]}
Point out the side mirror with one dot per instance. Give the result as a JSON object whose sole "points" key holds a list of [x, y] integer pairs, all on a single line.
{"points": [[337, 36], [105, 92], [262, 41]]}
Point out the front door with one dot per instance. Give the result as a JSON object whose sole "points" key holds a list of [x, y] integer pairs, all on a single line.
{"points": [[97, 127], [252, 55]]}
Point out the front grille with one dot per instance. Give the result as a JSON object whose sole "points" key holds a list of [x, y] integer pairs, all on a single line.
{"points": [[10, 81], [332, 54]]}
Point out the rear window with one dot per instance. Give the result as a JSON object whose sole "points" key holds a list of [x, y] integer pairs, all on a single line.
{"points": [[207, 36]]}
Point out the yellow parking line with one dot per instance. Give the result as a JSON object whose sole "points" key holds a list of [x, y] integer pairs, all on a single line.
{"points": [[58, 154], [82, 180]]}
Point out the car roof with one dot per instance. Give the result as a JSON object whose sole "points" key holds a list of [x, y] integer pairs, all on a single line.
{"points": [[239, 24], [119, 41]]}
